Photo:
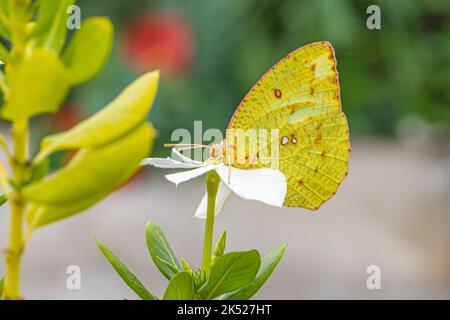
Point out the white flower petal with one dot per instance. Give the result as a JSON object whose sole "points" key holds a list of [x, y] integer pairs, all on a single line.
{"points": [[185, 159], [167, 163], [223, 193], [265, 185], [184, 176]]}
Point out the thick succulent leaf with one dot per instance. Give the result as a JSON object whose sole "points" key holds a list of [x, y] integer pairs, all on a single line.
{"points": [[230, 272], [4, 53], [181, 287], [89, 49], [45, 17], [124, 114], [38, 172], [4, 7], [161, 252], [136, 145], [268, 265], [39, 215], [4, 30], [92, 170], [50, 30], [37, 85], [89, 177], [126, 273]]}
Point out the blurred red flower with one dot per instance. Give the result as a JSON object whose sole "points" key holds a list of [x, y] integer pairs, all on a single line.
{"points": [[69, 115], [160, 39]]}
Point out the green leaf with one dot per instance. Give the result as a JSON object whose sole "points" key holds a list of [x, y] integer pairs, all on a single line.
{"points": [[93, 170], [89, 177], [39, 215], [89, 49], [3, 199], [4, 53], [268, 265], [4, 7], [199, 277], [17, 9], [169, 265], [126, 274], [230, 272], [50, 30], [39, 171], [4, 31], [4, 12], [181, 287], [37, 85], [44, 19], [219, 249], [186, 266], [128, 111], [161, 252]]}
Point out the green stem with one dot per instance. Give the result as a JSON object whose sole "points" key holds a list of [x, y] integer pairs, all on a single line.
{"points": [[19, 161], [14, 251], [13, 254], [212, 185]]}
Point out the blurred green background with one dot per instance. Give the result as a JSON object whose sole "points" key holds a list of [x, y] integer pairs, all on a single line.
{"points": [[212, 52]]}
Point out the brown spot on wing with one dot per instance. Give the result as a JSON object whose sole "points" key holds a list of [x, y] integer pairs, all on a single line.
{"points": [[293, 109], [278, 94]]}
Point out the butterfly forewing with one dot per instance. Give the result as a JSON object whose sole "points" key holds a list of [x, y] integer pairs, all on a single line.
{"points": [[300, 97]]}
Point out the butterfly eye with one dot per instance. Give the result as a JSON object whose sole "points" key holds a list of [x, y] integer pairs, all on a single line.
{"points": [[284, 140]]}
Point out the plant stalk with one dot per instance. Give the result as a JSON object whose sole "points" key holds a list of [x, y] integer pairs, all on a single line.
{"points": [[14, 251], [19, 161], [212, 185]]}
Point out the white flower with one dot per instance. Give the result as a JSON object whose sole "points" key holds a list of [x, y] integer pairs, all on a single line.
{"points": [[265, 185]]}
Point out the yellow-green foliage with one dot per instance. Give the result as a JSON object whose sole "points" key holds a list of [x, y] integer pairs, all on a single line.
{"points": [[40, 69]]}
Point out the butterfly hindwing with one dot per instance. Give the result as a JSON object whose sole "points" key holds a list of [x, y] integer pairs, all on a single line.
{"points": [[300, 96]]}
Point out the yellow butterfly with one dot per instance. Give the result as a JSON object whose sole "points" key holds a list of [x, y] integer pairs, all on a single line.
{"points": [[299, 96], [299, 99]]}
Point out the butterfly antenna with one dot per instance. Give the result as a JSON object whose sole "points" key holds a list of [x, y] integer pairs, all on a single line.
{"points": [[183, 147]]}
